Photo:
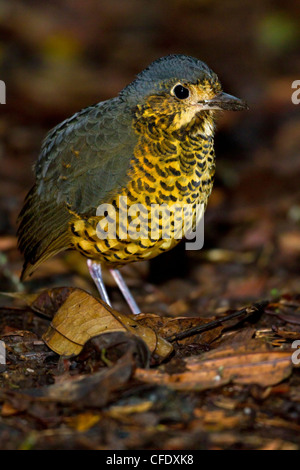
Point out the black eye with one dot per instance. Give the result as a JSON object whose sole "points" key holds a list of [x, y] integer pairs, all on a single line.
{"points": [[181, 92]]}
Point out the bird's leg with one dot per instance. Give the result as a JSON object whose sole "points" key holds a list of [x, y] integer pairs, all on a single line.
{"points": [[96, 274], [125, 291]]}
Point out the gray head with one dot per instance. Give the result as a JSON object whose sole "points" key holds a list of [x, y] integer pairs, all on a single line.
{"points": [[165, 72], [184, 82]]}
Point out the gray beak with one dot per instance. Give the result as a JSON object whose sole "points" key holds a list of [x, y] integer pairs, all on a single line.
{"points": [[225, 102]]}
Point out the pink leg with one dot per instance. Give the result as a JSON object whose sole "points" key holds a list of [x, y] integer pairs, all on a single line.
{"points": [[96, 274], [125, 291]]}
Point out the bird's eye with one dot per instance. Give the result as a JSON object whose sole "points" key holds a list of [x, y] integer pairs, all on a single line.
{"points": [[181, 92]]}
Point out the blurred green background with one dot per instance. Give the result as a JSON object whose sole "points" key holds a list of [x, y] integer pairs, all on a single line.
{"points": [[59, 56]]}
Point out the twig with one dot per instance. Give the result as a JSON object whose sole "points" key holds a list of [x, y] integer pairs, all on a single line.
{"points": [[247, 311]]}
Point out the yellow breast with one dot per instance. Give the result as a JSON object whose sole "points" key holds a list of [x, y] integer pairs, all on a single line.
{"points": [[171, 178]]}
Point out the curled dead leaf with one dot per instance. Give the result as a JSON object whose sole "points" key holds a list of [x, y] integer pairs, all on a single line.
{"points": [[249, 364], [82, 317], [77, 317]]}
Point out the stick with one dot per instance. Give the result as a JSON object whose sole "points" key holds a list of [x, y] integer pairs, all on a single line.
{"points": [[258, 307]]}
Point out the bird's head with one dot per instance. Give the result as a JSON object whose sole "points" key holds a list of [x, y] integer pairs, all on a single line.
{"points": [[176, 90]]}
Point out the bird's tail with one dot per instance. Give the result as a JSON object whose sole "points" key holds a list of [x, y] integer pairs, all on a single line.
{"points": [[42, 232]]}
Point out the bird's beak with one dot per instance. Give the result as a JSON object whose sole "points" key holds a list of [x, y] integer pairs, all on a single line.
{"points": [[226, 102]]}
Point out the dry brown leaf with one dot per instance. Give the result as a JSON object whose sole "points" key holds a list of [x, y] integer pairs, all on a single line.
{"points": [[82, 317], [78, 317], [167, 327], [264, 368], [288, 334], [83, 421], [46, 302], [249, 364], [203, 380], [118, 412]]}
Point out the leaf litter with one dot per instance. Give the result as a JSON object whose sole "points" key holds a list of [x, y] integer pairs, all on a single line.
{"points": [[103, 365]]}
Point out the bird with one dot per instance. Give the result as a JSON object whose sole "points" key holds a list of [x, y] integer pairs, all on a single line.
{"points": [[151, 146]]}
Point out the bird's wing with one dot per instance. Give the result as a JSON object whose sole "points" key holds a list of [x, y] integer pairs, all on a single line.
{"points": [[83, 160], [87, 157]]}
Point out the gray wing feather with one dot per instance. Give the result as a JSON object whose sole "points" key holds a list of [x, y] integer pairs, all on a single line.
{"points": [[83, 161], [87, 157]]}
